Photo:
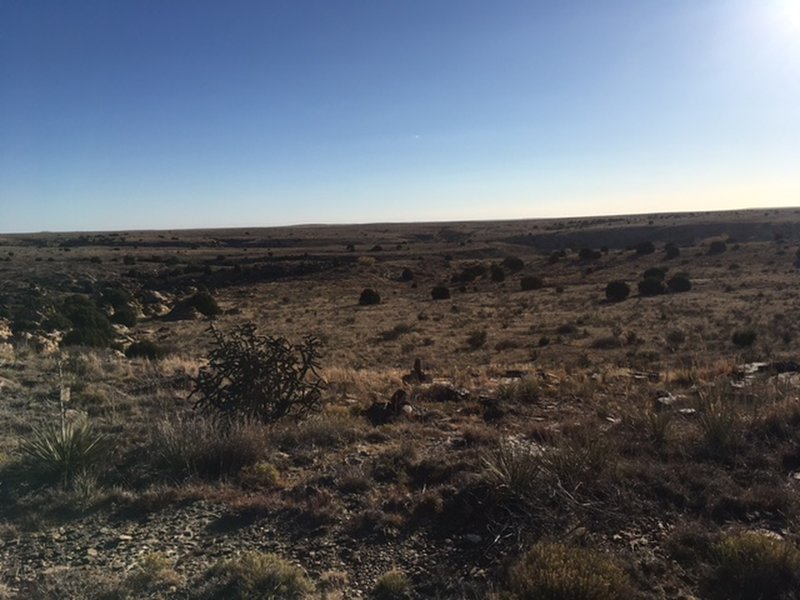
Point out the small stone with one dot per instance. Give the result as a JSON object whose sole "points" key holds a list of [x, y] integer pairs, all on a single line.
{"points": [[124, 537], [91, 552]]}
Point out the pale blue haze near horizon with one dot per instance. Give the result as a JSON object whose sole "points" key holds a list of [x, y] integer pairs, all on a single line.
{"points": [[159, 114]]}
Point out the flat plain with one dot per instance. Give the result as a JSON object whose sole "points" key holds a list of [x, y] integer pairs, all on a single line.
{"points": [[561, 439]]}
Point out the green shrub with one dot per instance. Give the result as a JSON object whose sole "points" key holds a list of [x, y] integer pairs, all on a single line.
{"points": [[752, 566], [644, 248], [145, 349], [744, 338], [64, 450], [440, 292], [617, 291], [116, 297], [392, 585], [553, 571], [530, 282], [369, 297], [406, 275], [258, 377], [257, 576]]}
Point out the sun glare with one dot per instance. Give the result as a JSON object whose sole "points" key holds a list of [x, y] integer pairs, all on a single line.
{"points": [[788, 14]]}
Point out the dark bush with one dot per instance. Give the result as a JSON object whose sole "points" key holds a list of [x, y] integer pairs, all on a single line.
{"points": [[115, 297], [513, 264], [753, 566], [497, 273], [644, 248], [617, 291], [406, 275], [671, 251], [530, 283], [557, 571], [90, 326], [124, 315], [369, 297], [717, 247], [679, 283], [259, 377], [440, 292], [469, 274], [204, 303], [477, 339], [651, 287], [588, 254], [655, 273], [145, 349], [743, 338], [128, 260]]}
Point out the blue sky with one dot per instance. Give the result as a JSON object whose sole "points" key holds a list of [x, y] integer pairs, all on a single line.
{"points": [[182, 113]]}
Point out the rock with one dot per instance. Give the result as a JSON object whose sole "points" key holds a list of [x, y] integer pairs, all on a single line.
{"points": [[91, 552], [687, 411], [664, 401], [5, 330]]}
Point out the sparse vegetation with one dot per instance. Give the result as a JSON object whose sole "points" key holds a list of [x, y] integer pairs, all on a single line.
{"points": [[369, 297], [259, 377]]}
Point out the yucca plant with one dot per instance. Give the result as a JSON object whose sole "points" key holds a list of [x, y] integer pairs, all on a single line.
{"points": [[64, 449]]}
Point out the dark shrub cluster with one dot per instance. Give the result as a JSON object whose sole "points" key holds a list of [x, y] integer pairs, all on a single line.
{"points": [[497, 273], [145, 349], [530, 282], [679, 283], [369, 297], [512, 264], [671, 251], [406, 275], [589, 254], [717, 247], [655, 273], [651, 286], [644, 248], [743, 338], [469, 273], [617, 291], [89, 325], [440, 292], [204, 303]]}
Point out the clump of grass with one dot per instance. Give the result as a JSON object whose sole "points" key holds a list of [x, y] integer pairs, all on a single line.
{"points": [[526, 390], [720, 422], [392, 585], [753, 566], [513, 469], [552, 571], [257, 575], [200, 447]]}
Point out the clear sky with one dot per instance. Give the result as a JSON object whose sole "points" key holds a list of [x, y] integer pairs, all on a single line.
{"points": [[118, 114]]}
